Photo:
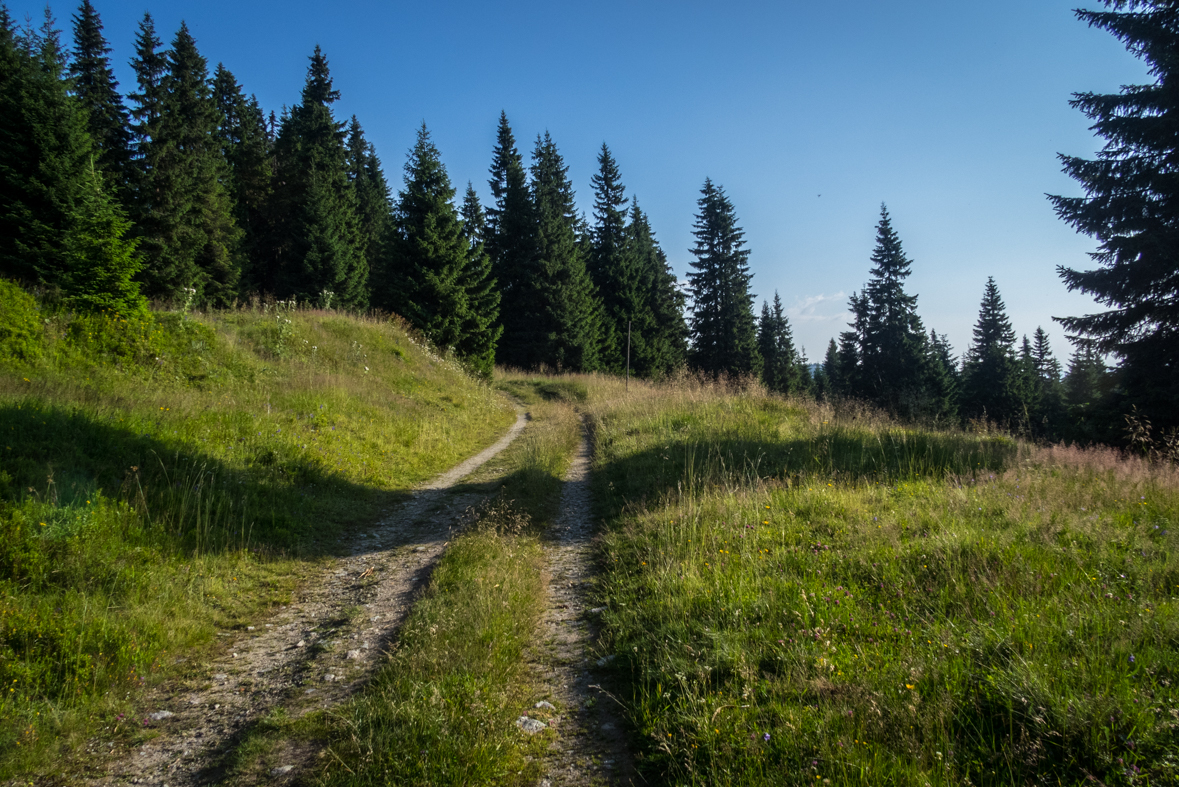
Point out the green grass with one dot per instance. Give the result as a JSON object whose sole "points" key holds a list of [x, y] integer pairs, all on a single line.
{"points": [[165, 477], [798, 596]]}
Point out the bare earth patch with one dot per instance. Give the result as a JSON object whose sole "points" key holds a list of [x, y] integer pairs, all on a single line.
{"points": [[313, 654], [588, 742]]}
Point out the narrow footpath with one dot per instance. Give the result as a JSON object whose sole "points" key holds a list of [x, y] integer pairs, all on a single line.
{"points": [[314, 653], [589, 746]]}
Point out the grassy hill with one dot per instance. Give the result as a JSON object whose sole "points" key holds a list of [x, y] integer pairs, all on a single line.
{"points": [[166, 476]]}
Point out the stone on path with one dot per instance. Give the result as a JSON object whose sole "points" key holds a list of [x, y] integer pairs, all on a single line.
{"points": [[530, 726]]}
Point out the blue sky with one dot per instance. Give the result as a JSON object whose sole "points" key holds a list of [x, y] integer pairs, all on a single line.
{"points": [[952, 113]]}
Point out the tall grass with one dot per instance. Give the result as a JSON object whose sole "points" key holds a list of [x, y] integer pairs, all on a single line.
{"points": [[802, 596]]}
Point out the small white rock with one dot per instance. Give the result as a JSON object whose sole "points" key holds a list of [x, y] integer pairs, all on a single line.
{"points": [[160, 715], [545, 704], [220, 676], [300, 644], [279, 771], [353, 654], [329, 678], [597, 610], [530, 726]]}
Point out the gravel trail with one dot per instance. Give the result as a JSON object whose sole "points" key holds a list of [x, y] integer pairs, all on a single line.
{"points": [[313, 653], [589, 745]]}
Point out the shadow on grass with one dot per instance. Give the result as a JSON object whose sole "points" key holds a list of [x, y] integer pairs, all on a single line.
{"points": [[841, 454]]}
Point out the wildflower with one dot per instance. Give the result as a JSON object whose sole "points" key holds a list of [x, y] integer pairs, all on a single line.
{"points": [[765, 737]]}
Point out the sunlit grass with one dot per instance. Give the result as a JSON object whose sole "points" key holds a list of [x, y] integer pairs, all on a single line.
{"points": [[799, 595]]}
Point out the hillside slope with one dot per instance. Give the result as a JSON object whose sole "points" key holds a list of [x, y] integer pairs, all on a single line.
{"points": [[163, 476]]}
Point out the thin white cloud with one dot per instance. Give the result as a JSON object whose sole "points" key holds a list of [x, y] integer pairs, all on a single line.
{"points": [[819, 308]]}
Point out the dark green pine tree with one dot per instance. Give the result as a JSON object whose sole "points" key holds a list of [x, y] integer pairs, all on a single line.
{"points": [[613, 268], [664, 347], [569, 312], [184, 214], [781, 367], [98, 92], [723, 328], [828, 383], [890, 338], [150, 65], [511, 244], [481, 329], [943, 383], [315, 249], [991, 384], [1129, 206], [45, 155], [374, 206], [246, 147], [429, 249]]}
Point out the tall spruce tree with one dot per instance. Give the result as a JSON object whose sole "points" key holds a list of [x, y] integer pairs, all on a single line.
{"points": [[481, 329], [374, 206], [315, 245], [1130, 208], [890, 340], [991, 379], [183, 212], [245, 146], [97, 90], [430, 250], [570, 313], [661, 343], [511, 244], [723, 329], [613, 267], [45, 155]]}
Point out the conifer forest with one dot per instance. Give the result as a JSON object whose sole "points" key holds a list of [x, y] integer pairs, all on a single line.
{"points": [[184, 190]]}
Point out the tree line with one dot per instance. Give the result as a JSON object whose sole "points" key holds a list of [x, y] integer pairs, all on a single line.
{"points": [[186, 191]]}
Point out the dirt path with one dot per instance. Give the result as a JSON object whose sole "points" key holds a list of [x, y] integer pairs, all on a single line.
{"points": [[589, 746], [314, 653]]}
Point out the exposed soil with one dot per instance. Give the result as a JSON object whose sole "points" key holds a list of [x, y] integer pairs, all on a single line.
{"points": [[312, 654], [589, 744]]}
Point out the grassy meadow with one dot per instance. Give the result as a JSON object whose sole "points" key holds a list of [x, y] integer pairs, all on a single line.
{"points": [[800, 594], [170, 476]]}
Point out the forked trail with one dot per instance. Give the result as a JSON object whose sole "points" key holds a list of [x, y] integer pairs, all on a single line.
{"points": [[313, 654], [588, 743]]}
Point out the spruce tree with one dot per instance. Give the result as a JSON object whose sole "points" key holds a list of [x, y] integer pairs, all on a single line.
{"points": [[430, 250], [511, 244], [481, 329], [781, 367], [723, 329], [45, 156], [315, 246], [374, 206], [942, 383], [1130, 209], [662, 342], [890, 339], [613, 267], [245, 146], [184, 214], [101, 262], [569, 313], [991, 385], [95, 86]]}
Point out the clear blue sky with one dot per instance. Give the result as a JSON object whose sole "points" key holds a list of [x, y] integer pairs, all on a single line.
{"points": [[952, 113]]}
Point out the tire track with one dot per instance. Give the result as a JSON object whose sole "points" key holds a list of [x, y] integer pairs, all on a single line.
{"points": [[589, 747]]}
